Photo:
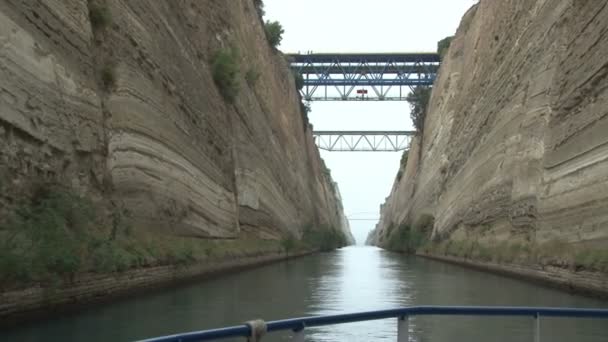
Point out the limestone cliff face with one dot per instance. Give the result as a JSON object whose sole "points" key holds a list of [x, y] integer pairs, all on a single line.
{"points": [[161, 141], [515, 144]]}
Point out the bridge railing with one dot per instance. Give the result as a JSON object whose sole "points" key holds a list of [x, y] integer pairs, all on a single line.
{"points": [[253, 330]]}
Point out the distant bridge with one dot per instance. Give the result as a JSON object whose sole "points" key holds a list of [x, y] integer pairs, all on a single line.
{"points": [[363, 76], [363, 141]]}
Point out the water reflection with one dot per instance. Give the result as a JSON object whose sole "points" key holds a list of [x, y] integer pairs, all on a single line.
{"points": [[359, 281], [351, 279]]}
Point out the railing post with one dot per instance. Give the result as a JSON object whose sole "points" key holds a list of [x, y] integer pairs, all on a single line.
{"points": [[298, 336], [537, 327], [403, 334]]}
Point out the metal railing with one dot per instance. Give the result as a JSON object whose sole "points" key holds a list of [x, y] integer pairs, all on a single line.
{"points": [[298, 325]]}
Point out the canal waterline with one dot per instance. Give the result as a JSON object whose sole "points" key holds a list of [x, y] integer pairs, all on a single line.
{"points": [[350, 279]]}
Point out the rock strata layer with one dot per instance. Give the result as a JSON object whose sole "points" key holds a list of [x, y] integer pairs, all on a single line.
{"points": [[160, 139], [515, 143]]}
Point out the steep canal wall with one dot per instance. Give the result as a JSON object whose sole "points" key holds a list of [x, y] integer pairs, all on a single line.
{"points": [[512, 165], [138, 134]]}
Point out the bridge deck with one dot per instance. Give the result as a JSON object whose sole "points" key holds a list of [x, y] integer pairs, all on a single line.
{"points": [[372, 69], [334, 76], [404, 57], [363, 141]]}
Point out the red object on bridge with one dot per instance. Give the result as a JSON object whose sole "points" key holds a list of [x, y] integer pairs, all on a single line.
{"points": [[362, 91]]}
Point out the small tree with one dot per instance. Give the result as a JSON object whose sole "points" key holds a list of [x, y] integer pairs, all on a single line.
{"points": [[274, 33], [299, 80], [305, 107], [225, 69], [259, 6], [419, 101], [444, 45]]}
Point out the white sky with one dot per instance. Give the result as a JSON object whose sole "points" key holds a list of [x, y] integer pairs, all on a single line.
{"points": [[364, 178]]}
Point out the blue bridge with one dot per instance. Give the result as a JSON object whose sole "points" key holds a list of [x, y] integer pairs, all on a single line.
{"points": [[254, 330], [363, 76]]}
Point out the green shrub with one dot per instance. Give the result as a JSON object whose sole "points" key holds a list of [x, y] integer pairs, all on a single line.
{"points": [[443, 46], [592, 259], [225, 70], [305, 107], [274, 33], [108, 257], [100, 17], [259, 6], [182, 255], [252, 76], [404, 158], [120, 222], [44, 237], [289, 243], [419, 100], [407, 239], [108, 77], [324, 238], [299, 80]]}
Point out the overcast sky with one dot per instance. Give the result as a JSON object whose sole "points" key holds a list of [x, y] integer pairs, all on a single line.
{"points": [[364, 178]]}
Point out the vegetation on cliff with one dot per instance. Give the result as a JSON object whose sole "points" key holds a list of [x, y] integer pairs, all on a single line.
{"points": [[58, 234], [259, 6], [100, 16], [552, 253], [409, 238], [322, 238], [443, 46], [419, 102], [225, 70], [274, 33], [402, 164]]}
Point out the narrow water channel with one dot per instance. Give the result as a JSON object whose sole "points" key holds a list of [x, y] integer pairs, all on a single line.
{"points": [[350, 279]]}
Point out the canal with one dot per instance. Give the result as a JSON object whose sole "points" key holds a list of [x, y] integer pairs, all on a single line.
{"points": [[350, 279]]}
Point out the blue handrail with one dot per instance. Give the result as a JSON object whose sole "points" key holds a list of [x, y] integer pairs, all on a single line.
{"points": [[297, 324]]}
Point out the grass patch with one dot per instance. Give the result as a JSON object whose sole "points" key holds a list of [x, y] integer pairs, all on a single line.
{"points": [[553, 253], [225, 70], [592, 259]]}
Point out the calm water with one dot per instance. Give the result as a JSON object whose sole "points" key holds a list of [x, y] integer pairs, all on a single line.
{"points": [[351, 279]]}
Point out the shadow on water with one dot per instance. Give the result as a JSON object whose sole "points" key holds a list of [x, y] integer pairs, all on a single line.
{"points": [[351, 279]]}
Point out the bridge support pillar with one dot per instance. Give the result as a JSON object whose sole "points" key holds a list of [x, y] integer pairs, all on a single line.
{"points": [[403, 326]]}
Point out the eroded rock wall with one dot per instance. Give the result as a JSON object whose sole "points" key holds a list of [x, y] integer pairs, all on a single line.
{"points": [[515, 144], [159, 141]]}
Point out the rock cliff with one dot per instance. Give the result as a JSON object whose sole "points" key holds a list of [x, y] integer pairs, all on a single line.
{"points": [[116, 100], [513, 160]]}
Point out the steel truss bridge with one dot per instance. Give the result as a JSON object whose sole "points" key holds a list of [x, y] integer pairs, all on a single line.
{"points": [[363, 141], [363, 76]]}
